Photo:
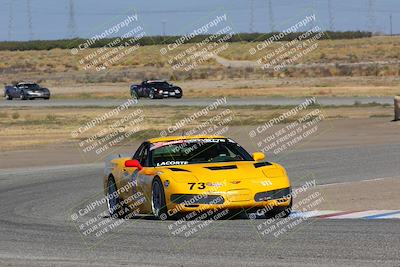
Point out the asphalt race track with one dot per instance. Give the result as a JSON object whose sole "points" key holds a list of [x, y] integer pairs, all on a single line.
{"points": [[36, 228], [336, 101]]}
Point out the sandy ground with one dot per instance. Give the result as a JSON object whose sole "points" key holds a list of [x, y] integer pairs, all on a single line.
{"points": [[376, 194], [240, 87], [332, 134]]}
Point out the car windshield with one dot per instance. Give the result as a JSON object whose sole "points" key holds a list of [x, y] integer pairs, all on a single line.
{"points": [[192, 151], [160, 85], [32, 86]]}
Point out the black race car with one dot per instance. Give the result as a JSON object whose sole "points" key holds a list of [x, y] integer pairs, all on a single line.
{"points": [[155, 89], [26, 90]]}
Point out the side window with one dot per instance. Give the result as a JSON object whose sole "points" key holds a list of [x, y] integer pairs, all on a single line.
{"points": [[138, 151], [144, 155]]}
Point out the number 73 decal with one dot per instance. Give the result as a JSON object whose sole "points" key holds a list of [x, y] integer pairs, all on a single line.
{"points": [[199, 185]]}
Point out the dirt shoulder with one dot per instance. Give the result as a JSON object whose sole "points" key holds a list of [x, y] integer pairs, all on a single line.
{"points": [[334, 133], [377, 194]]}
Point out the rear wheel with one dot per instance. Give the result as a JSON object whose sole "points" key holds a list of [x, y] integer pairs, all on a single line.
{"points": [[115, 208], [158, 206], [180, 94], [8, 97], [134, 95]]}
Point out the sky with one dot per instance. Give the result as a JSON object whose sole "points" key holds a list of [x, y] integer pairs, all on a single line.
{"points": [[52, 19]]}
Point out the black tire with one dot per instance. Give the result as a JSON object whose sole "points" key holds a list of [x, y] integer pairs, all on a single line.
{"points": [[22, 96], [158, 205], [134, 95], [151, 94], [115, 208], [47, 98], [180, 94], [8, 97]]}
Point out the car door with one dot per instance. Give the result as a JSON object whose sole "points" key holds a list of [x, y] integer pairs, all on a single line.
{"points": [[127, 177], [141, 92], [14, 91], [143, 159], [145, 178], [146, 89]]}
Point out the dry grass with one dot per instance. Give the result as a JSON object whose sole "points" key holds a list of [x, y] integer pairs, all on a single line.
{"points": [[48, 126], [62, 73], [354, 50], [332, 51], [59, 67], [289, 87]]}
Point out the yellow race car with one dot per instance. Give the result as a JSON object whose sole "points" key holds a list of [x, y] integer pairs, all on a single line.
{"points": [[177, 175]]}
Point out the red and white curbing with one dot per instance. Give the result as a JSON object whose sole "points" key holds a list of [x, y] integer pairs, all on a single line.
{"points": [[334, 214]]}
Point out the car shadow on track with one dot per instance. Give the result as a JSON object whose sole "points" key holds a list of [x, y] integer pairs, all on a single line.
{"points": [[238, 216]]}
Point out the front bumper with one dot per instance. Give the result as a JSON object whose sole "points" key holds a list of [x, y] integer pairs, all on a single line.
{"points": [[227, 200], [37, 95], [166, 94]]}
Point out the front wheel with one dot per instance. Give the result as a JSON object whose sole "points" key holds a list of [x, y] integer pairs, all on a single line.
{"points": [[115, 208], [22, 97], [158, 206], [8, 97], [151, 95]]}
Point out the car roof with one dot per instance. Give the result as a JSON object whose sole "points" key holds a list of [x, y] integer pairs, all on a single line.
{"points": [[155, 81], [175, 138], [25, 83]]}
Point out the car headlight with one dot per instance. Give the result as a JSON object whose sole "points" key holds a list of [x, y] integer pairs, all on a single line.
{"points": [[160, 91]]}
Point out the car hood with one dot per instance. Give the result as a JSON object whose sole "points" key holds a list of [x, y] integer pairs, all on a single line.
{"points": [[223, 172]]}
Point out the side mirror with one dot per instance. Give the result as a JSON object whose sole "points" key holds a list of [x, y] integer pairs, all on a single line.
{"points": [[257, 156], [133, 163]]}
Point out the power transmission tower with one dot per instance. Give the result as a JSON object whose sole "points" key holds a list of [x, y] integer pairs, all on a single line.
{"points": [[28, 7], [251, 26], [271, 16], [331, 17], [71, 23], [312, 25], [163, 27], [11, 20], [371, 15]]}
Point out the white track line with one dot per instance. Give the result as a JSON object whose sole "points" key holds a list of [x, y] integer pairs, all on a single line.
{"points": [[367, 214]]}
